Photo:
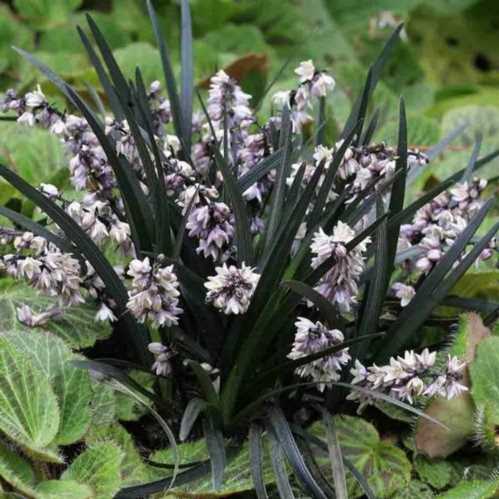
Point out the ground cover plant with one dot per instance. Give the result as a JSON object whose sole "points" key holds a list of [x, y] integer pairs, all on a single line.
{"points": [[234, 281]]}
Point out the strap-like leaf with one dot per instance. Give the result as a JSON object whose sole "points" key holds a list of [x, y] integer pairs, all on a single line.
{"points": [[328, 181], [107, 86], [278, 192], [371, 128], [359, 477], [397, 192], [256, 458], [171, 85], [191, 414], [292, 365], [378, 284], [473, 159], [260, 170], [205, 383], [288, 444], [279, 466], [138, 209], [335, 457], [216, 450], [187, 72], [374, 75]]}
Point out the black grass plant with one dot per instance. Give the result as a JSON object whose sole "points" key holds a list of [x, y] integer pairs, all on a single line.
{"points": [[252, 267]]}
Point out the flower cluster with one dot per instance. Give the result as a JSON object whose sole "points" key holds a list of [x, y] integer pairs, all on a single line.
{"points": [[359, 168], [231, 289], [162, 355], [154, 294], [407, 377], [313, 338], [313, 83], [49, 271], [98, 220], [212, 224], [436, 225], [340, 284]]}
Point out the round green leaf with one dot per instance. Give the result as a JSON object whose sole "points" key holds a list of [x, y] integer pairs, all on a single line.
{"points": [[485, 377], [133, 469], [63, 489], [71, 384], [16, 471], [99, 467], [472, 489], [29, 412]]}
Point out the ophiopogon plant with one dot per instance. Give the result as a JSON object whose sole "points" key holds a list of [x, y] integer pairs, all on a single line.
{"points": [[234, 257]]}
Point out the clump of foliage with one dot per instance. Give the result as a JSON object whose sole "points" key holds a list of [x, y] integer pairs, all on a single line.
{"points": [[249, 273]]}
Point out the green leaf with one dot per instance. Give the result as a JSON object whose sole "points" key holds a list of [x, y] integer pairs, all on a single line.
{"points": [[435, 472], [103, 404], [71, 385], [46, 13], [237, 475], [16, 471], [415, 490], [99, 466], [33, 153], [472, 489], [483, 285], [485, 376], [126, 407], [278, 192], [133, 469], [63, 489], [76, 326], [29, 412], [384, 465]]}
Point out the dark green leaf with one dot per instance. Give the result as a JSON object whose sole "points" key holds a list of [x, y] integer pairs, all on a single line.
{"points": [[216, 450], [256, 458], [191, 414], [281, 474], [187, 73], [288, 444], [169, 78]]}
